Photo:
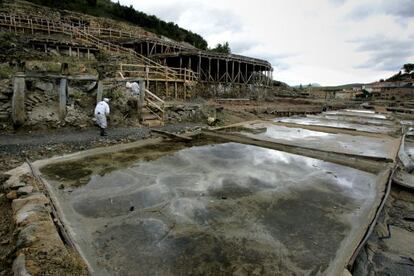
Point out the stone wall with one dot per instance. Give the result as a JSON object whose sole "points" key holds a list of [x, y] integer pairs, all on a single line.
{"points": [[39, 247]]}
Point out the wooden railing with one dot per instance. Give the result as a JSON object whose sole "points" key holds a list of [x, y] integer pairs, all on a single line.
{"points": [[116, 33], [187, 74], [155, 104], [146, 72], [33, 24]]}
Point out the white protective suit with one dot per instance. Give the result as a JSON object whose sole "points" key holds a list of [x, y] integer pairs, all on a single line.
{"points": [[101, 111], [134, 87]]}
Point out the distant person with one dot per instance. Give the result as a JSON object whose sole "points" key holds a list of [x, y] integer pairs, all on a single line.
{"points": [[134, 86], [101, 111]]}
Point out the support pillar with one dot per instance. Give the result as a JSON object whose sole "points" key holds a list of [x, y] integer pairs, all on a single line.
{"points": [[227, 71], [209, 70], [18, 107], [99, 92], [63, 89], [141, 100]]}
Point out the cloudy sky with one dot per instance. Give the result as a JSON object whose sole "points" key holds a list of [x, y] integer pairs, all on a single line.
{"points": [[307, 41]]}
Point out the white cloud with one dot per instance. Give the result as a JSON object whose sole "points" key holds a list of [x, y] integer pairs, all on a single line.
{"points": [[322, 41]]}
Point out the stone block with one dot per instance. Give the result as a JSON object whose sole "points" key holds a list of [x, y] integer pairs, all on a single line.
{"points": [[36, 198], [25, 190], [19, 266], [32, 213]]}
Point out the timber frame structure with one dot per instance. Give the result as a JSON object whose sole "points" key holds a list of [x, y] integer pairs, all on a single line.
{"points": [[170, 68]]}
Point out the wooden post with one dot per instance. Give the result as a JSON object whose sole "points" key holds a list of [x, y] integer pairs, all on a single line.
{"points": [[245, 76], [239, 74], [175, 90], [199, 65], [99, 92], [18, 106], [209, 70], [218, 70], [227, 70], [141, 100], [232, 72]]}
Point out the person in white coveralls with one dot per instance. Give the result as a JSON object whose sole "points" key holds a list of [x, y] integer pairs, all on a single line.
{"points": [[101, 111]]}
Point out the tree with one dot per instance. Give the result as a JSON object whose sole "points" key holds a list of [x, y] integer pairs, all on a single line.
{"points": [[92, 3], [222, 48], [408, 68]]}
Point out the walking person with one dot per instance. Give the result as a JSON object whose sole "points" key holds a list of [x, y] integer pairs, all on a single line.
{"points": [[101, 111]]}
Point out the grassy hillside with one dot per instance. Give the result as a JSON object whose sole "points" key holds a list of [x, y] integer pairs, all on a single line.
{"points": [[107, 8]]}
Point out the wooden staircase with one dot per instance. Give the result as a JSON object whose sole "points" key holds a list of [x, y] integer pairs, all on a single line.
{"points": [[153, 113], [32, 25]]}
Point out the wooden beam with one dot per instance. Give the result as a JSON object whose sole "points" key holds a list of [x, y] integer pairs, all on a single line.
{"points": [[227, 70], [209, 70], [232, 72], [218, 71], [172, 135]]}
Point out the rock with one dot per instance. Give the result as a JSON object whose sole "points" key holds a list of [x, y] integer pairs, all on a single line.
{"points": [[35, 198], [12, 195], [90, 87], [17, 185], [25, 190], [44, 86], [19, 266], [31, 213], [240, 272], [55, 53], [27, 236], [4, 242], [211, 121]]}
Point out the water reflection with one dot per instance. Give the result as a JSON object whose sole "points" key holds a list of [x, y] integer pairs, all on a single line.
{"points": [[359, 145], [205, 206], [337, 124]]}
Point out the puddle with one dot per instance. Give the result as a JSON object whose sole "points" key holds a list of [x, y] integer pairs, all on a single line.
{"points": [[77, 173], [337, 124], [357, 114], [357, 120], [212, 209], [342, 143]]}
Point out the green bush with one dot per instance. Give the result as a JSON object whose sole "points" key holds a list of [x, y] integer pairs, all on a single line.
{"points": [[6, 71]]}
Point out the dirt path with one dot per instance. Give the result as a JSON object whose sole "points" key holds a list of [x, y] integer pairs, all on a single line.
{"points": [[15, 148]]}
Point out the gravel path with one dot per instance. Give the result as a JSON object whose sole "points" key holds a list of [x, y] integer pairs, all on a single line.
{"points": [[14, 143]]}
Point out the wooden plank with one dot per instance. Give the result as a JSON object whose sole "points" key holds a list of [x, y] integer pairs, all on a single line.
{"points": [[172, 135]]}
